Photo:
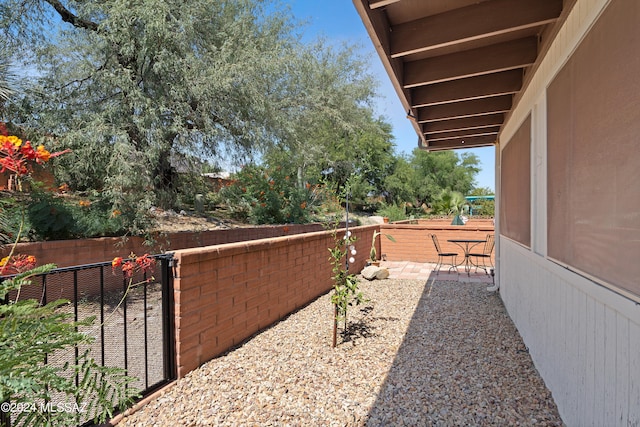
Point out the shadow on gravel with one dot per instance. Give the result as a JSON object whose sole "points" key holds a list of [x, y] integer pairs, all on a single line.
{"points": [[359, 329], [462, 362]]}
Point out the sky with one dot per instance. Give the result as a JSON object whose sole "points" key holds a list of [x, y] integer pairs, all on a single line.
{"points": [[338, 21]]}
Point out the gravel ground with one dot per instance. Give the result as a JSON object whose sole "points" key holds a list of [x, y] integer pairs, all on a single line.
{"points": [[418, 354]]}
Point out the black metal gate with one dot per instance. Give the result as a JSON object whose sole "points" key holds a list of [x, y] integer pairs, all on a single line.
{"points": [[134, 326]]}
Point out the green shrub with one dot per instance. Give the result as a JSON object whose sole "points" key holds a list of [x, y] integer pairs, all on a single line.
{"points": [[269, 196], [54, 218], [393, 212], [50, 217], [11, 216]]}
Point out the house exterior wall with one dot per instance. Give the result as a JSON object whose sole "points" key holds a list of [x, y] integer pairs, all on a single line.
{"points": [[583, 339], [583, 335]]}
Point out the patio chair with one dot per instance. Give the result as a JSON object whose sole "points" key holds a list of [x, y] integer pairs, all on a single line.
{"points": [[443, 255], [483, 259]]}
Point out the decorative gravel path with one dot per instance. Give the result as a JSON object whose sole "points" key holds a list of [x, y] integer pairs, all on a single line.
{"points": [[419, 354]]}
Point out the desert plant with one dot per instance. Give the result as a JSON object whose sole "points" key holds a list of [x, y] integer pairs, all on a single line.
{"points": [[270, 196], [32, 391], [393, 212], [372, 253]]}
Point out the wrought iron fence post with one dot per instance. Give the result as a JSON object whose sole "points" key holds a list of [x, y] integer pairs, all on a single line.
{"points": [[168, 324]]}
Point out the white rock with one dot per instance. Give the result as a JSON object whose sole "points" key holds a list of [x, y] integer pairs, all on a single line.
{"points": [[370, 272], [382, 273]]}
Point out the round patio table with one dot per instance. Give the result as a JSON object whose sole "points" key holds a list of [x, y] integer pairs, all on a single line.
{"points": [[466, 245]]}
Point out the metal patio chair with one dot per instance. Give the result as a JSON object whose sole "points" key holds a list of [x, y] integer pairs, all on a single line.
{"points": [[443, 255], [483, 259]]}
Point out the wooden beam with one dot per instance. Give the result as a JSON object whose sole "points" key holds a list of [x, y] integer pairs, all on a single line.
{"points": [[476, 107], [485, 60], [471, 142], [504, 83], [462, 134], [374, 4], [478, 21], [464, 124]]}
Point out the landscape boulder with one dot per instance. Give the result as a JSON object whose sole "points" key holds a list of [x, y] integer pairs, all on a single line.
{"points": [[373, 272]]}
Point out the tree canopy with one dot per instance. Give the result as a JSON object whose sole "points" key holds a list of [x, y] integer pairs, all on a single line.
{"points": [[145, 92], [442, 170]]}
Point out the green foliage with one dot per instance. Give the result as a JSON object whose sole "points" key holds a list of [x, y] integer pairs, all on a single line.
{"points": [[50, 218], [393, 212], [271, 196], [55, 218], [450, 203], [10, 218], [238, 76], [7, 76], [30, 332], [125, 121], [483, 207], [443, 170], [372, 251], [398, 184], [345, 285]]}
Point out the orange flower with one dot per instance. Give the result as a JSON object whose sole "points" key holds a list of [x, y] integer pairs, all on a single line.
{"points": [[143, 263], [127, 269], [19, 264], [14, 155], [116, 212], [84, 203], [303, 205], [13, 165], [28, 151], [43, 154]]}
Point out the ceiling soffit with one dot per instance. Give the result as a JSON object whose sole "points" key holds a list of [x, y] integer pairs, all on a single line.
{"points": [[458, 65]]}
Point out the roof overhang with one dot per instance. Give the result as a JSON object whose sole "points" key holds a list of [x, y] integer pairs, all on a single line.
{"points": [[459, 65]]}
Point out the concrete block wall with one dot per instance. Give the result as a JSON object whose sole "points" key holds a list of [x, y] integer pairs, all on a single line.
{"points": [[65, 253], [226, 293], [412, 241]]}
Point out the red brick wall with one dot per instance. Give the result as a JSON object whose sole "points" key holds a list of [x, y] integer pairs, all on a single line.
{"points": [[65, 253], [226, 293], [412, 241]]}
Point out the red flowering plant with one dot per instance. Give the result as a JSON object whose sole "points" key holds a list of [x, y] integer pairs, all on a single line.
{"points": [[144, 264], [17, 158], [31, 331]]}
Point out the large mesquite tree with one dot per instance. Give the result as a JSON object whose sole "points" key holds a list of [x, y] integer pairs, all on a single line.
{"points": [[136, 87]]}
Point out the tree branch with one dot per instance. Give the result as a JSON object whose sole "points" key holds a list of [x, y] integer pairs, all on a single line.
{"points": [[69, 17]]}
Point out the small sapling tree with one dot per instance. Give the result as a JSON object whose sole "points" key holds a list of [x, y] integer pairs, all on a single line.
{"points": [[345, 284]]}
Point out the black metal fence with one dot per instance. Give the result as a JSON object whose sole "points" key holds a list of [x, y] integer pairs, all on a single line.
{"points": [[134, 325]]}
